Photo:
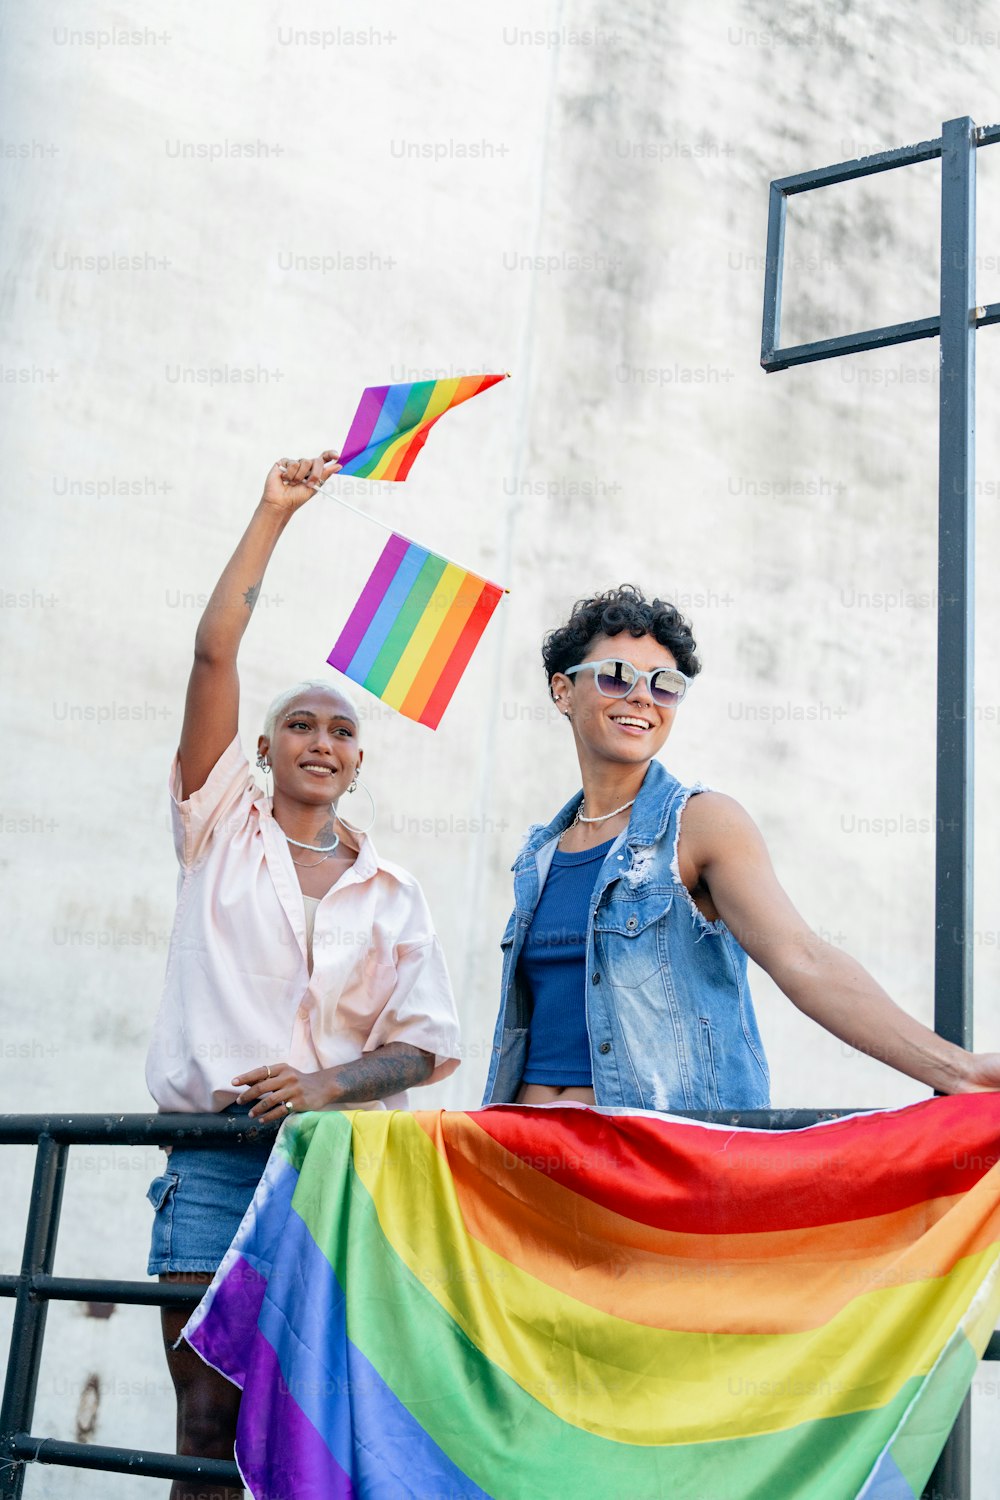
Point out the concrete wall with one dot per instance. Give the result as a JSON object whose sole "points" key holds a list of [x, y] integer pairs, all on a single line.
{"points": [[577, 194]]}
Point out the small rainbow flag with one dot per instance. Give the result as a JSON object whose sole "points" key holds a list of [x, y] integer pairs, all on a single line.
{"points": [[392, 422], [410, 636], [517, 1303]]}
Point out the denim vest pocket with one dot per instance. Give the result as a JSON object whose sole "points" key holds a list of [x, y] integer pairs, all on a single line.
{"points": [[626, 935]]}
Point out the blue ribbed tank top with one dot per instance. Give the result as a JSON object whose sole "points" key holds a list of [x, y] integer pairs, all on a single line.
{"points": [[553, 966]]}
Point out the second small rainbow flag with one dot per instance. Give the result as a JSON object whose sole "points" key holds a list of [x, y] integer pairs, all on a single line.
{"points": [[392, 422], [411, 634]]}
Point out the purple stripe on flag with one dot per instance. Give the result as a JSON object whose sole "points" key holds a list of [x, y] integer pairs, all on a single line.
{"points": [[372, 595], [365, 418], [392, 409], [386, 425], [279, 1451], [222, 1337]]}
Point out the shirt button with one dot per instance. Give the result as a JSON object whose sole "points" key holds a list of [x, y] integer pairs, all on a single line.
{"points": [[604, 1047], [596, 979]]}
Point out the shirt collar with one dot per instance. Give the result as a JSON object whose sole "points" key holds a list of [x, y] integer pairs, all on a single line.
{"points": [[650, 814], [367, 862]]}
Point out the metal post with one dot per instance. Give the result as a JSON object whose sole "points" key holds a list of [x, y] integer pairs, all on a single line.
{"points": [[953, 945], [953, 932], [30, 1313], [774, 266]]}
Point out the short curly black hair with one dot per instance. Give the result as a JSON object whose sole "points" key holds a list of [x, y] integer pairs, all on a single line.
{"points": [[624, 610]]}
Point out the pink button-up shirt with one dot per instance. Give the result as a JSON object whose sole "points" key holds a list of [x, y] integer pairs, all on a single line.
{"points": [[238, 993]]}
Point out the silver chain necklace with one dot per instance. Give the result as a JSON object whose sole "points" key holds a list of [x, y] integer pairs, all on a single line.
{"points": [[604, 816], [323, 850], [602, 819]]}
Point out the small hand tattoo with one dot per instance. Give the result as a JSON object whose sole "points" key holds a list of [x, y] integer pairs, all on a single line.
{"points": [[251, 595]]}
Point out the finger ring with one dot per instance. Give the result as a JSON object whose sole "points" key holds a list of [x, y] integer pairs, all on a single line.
{"points": [[268, 1067], [289, 1106]]}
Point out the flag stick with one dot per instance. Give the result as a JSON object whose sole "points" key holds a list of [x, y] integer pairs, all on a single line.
{"points": [[386, 527]]}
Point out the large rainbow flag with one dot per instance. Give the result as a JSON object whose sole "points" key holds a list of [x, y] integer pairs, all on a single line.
{"points": [[539, 1304], [392, 422], [411, 634]]}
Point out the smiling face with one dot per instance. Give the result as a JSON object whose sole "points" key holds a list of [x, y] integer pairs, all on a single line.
{"points": [[314, 751], [629, 730]]}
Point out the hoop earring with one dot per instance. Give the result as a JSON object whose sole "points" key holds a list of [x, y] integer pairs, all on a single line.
{"points": [[357, 782], [264, 765]]}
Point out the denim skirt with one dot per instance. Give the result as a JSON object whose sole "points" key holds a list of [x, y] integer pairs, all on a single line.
{"points": [[199, 1201]]}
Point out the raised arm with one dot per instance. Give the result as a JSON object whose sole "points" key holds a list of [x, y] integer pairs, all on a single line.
{"points": [[825, 983], [211, 710]]}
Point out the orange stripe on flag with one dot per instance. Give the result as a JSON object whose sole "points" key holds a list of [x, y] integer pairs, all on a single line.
{"points": [[458, 660], [454, 622]]}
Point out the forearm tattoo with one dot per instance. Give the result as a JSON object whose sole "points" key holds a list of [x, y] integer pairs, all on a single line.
{"points": [[251, 594], [387, 1070]]}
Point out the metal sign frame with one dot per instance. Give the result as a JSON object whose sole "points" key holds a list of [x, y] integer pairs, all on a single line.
{"points": [[955, 325]]}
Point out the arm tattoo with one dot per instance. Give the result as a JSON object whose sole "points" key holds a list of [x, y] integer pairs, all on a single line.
{"points": [[251, 595], [387, 1070]]}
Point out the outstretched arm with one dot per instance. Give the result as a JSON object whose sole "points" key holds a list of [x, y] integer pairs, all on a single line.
{"points": [[211, 711], [825, 983]]}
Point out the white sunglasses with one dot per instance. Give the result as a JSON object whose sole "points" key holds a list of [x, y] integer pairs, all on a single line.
{"points": [[619, 679]]}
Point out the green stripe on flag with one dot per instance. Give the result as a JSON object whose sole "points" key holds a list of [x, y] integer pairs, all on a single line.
{"points": [[404, 624]]}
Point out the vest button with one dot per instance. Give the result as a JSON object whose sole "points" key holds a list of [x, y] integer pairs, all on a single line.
{"points": [[596, 979], [604, 1047], [632, 923]]}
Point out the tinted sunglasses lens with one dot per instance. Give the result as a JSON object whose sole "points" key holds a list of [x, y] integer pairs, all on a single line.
{"points": [[667, 688], [614, 678]]}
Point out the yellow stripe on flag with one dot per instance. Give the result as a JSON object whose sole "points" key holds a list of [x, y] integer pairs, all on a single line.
{"points": [[414, 653]]}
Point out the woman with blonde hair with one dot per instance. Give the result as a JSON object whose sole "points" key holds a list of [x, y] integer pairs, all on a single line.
{"points": [[304, 971]]}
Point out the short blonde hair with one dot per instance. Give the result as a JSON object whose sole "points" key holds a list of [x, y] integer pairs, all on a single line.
{"points": [[289, 695]]}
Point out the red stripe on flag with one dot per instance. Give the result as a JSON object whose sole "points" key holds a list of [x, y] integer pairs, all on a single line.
{"points": [[459, 658], [774, 1180]]}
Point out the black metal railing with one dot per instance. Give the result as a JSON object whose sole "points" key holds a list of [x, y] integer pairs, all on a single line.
{"points": [[36, 1285]]}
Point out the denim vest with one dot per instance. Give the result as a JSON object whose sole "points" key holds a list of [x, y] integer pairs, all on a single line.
{"points": [[669, 1015]]}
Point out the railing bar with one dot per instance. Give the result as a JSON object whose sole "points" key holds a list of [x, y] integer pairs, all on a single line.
{"points": [[95, 1289], [130, 1130], [860, 166], [122, 1460], [851, 343]]}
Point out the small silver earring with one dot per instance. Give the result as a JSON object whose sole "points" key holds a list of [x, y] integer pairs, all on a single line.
{"points": [[357, 782], [262, 762]]}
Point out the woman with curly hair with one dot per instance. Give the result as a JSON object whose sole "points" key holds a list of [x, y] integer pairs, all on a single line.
{"points": [[625, 959]]}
